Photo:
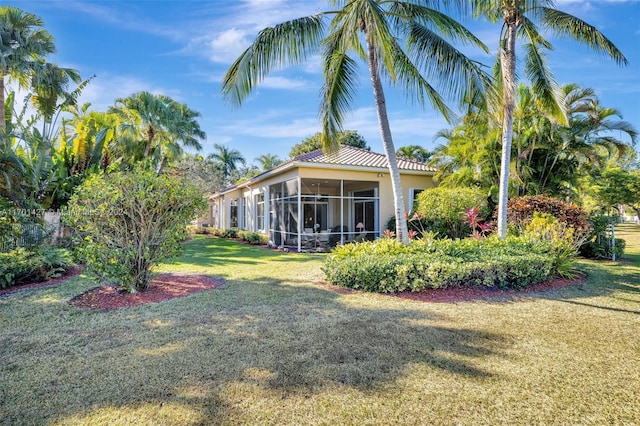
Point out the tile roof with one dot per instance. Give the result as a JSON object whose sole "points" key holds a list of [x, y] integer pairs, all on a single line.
{"points": [[346, 156], [351, 156]]}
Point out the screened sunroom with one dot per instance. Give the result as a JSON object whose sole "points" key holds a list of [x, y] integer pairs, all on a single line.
{"points": [[316, 213]]}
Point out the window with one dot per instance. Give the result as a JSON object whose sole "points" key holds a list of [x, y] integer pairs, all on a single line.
{"points": [[259, 201], [245, 213], [233, 213], [413, 196]]}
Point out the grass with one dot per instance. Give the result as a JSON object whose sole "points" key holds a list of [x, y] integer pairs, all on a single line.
{"points": [[272, 347]]}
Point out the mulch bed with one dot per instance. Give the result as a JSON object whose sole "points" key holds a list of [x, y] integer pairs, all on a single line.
{"points": [[163, 287], [171, 286]]}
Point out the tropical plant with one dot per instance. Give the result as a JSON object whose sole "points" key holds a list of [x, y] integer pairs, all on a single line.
{"points": [[312, 143], [413, 153], [268, 161], [372, 30], [155, 128], [227, 157], [23, 43], [520, 20], [183, 130]]}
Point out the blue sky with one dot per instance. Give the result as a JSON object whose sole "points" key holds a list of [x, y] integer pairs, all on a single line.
{"points": [[183, 48]]}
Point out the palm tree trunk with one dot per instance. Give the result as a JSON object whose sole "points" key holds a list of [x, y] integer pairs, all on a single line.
{"points": [[508, 64], [402, 234], [163, 164], [3, 117], [150, 134]]}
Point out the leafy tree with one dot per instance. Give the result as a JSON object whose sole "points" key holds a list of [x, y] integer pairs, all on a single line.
{"points": [[313, 143], [549, 158], [183, 130], [372, 30], [413, 153], [203, 173], [470, 154], [519, 20], [228, 158], [130, 222], [23, 42], [546, 157], [618, 186], [268, 161]]}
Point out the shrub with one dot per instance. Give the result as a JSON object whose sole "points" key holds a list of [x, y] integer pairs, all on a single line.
{"points": [[442, 209], [598, 243], [520, 212], [564, 241], [130, 222], [387, 266], [23, 266], [252, 237]]}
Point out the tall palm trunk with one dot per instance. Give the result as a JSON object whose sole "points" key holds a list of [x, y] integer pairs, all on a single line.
{"points": [[3, 116], [508, 65], [402, 234]]}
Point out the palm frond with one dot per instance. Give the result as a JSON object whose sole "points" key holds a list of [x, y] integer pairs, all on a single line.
{"points": [[288, 43], [462, 77], [402, 11], [567, 25], [543, 83]]}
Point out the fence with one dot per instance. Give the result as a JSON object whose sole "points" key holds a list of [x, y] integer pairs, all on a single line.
{"points": [[26, 235]]}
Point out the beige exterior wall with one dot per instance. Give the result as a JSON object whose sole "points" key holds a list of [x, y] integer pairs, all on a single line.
{"points": [[247, 192]]}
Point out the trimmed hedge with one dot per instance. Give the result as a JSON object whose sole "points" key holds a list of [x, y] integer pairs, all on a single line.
{"points": [[387, 266], [23, 266]]}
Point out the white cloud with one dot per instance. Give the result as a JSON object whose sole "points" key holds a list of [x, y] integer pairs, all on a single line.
{"points": [[227, 45]]}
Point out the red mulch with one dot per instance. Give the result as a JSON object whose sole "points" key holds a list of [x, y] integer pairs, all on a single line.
{"points": [[463, 294], [163, 287]]}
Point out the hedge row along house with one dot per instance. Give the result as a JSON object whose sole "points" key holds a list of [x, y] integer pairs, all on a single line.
{"points": [[317, 200]]}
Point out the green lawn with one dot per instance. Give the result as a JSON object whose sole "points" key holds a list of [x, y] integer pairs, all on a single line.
{"points": [[272, 347]]}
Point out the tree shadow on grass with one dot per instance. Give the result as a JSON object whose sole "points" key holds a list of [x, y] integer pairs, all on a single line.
{"points": [[275, 336]]}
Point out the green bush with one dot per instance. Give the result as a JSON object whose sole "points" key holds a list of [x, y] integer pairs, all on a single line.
{"points": [[252, 237], [442, 210], [128, 223], [387, 266], [23, 266], [598, 243]]}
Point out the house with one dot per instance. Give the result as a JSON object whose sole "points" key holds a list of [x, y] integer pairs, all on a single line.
{"points": [[318, 200]]}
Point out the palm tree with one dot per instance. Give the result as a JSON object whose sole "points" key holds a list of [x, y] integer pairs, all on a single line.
{"points": [[144, 112], [413, 153], [549, 158], [268, 161], [23, 42], [372, 30], [228, 158], [519, 19], [183, 130]]}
